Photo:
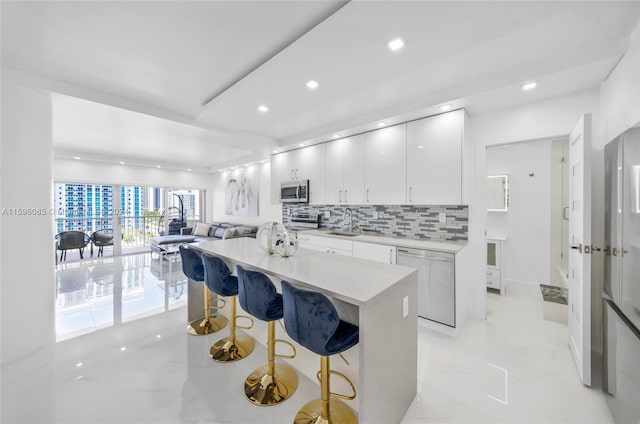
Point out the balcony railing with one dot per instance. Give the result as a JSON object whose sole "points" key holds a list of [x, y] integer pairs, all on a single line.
{"points": [[136, 230]]}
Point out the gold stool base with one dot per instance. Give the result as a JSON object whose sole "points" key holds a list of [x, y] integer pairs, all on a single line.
{"points": [[197, 328], [311, 413], [263, 389], [225, 351]]}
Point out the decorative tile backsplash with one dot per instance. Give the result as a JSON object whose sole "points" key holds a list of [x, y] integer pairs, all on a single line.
{"points": [[415, 222]]}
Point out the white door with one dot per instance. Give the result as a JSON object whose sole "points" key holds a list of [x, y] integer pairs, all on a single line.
{"points": [[580, 252], [385, 166], [333, 173]]}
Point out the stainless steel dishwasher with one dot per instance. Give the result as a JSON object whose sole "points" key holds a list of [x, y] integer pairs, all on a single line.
{"points": [[436, 283]]}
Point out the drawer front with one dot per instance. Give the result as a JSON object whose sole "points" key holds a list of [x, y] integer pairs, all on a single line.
{"points": [[333, 243], [493, 273], [493, 283]]}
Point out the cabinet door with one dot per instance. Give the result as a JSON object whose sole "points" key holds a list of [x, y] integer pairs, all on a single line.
{"points": [[353, 158], [309, 165], [333, 172], [434, 159], [279, 165], [385, 166], [374, 252]]}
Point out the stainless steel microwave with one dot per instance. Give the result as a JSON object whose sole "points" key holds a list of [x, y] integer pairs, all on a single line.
{"points": [[294, 191]]}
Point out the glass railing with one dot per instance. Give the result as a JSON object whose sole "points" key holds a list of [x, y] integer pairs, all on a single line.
{"points": [[136, 230]]}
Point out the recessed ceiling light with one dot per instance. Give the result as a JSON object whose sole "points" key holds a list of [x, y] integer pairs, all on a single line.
{"points": [[445, 107], [420, 147], [122, 163], [263, 161], [158, 166], [301, 144], [312, 85], [189, 169], [529, 86], [335, 136], [275, 151], [263, 108], [396, 44], [76, 157], [381, 124]]}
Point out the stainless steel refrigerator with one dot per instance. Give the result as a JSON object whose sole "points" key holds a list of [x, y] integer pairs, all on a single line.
{"points": [[621, 297]]}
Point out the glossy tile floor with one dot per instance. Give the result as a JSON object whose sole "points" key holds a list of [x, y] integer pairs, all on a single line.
{"points": [[125, 358]]}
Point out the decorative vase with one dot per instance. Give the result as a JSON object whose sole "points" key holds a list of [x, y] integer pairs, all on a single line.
{"points": [[286, 241], [266, 237]]}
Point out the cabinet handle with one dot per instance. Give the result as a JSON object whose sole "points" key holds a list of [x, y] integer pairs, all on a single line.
{"points": [[410, 189], [292, 174], [367, 195], [339, 196], [296, 173], [345, 196], [391, 256]]}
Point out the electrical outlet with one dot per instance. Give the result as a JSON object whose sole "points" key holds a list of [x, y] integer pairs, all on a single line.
{"points": [[375, 215], [327, 214], [405, 306], [380, 214], [288, 212], [442, 217]]}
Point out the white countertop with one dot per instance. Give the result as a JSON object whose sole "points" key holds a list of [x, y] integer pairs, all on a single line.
{"points": [[440, 246], [350, 279]]}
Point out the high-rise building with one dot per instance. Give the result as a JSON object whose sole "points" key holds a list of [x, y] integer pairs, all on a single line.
{"points": [[89, 207]]}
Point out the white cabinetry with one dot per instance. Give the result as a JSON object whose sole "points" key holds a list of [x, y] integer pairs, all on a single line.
{"points": [[325, 244], [434, 159], [385, 166], [496, 270], [301, 164], [374, 252], [344, 171]]}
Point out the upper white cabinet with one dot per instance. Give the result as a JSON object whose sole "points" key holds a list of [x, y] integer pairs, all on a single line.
{"points": [[385, 166], [301, 164], [345, 171], [434, 159]]}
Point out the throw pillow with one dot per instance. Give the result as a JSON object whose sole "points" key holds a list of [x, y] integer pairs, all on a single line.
{"points": [[228, 233], [201, 229]]}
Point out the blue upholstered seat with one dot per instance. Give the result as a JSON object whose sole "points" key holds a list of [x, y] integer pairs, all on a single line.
{"points": [[217, 276], [191, 263], [258, 295], [311, 320]]}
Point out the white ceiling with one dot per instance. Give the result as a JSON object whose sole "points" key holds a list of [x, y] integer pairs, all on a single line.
{"points": [[211, 63]]}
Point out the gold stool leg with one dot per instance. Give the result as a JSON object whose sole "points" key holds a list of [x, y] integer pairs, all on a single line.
{"points": [[272, 383], [206, 325], [234, 347], [325, 410]]}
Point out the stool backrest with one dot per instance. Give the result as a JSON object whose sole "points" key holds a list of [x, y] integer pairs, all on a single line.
{"points": [[258, 296], [191, 263], [309, 317], [217, 276]]}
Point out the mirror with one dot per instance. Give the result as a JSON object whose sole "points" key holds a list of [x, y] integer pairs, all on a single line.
{"points": [[497, 193]]}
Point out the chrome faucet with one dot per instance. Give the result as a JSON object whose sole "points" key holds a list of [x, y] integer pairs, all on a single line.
{"points": [[347, 211]]}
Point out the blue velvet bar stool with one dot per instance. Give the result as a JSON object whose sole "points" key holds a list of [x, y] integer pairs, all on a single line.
{"points": [[192, 267], [311, 320], [272, 383], [219, 280]]}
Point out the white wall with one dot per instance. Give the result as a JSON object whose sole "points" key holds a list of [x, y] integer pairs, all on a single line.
{"points": [[27, 245], [82, 171], [527, 223], [266, 211]]}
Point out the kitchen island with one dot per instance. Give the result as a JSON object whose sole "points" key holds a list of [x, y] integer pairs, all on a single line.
{"points": [[379, 298]]}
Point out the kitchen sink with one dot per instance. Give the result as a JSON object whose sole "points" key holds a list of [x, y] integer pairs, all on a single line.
{"points": [[344, 233]]}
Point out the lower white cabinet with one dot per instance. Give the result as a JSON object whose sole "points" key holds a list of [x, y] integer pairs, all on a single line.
{"points": [[374, 252], [496, 270], [325, 244]]}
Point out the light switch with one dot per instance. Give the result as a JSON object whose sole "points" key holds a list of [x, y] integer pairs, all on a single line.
{"points": [[442, 217], [375, 215], [327, 214], [405, 306]]}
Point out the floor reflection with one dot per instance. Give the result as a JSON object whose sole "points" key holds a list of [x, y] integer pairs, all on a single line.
{"points": [[102, 292]]}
